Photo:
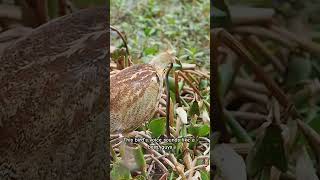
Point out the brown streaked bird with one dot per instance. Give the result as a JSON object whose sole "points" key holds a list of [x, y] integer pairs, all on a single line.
{"points": [[53, 101], [135, 93]]}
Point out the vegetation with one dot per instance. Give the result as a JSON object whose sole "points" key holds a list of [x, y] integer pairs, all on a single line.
{"points": [[267, 70], [151, 27]]}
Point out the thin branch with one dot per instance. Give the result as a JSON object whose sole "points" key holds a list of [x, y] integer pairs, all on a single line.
{"points": [[122, 37]]}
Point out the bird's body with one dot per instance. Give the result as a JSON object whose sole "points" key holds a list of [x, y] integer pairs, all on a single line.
{"points": [[135, 93], [53, 100]]}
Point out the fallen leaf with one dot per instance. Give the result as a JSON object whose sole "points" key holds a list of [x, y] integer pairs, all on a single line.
{"points": [[182, 114], [205, 116]]}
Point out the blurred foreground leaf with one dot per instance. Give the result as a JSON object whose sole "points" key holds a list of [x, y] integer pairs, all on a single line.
{"points": [[120, 172], [304, 167], [268, 151], [139, 158], [231, 165]]}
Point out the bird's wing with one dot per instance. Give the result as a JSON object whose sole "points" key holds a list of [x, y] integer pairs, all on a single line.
{"points": [[130, 84], [134, 93]]}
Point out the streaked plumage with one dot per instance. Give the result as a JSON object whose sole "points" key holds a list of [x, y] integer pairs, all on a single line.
{"points": [[53, 100], [135, 92]]}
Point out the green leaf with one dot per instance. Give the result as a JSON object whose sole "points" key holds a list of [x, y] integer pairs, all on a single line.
{"points": [[199, 130], [204, 130], [157, 127], [139, 177], [120, 172], [183, 132], [188, 51], [192, 144], [172, 86], [181, 84], [199, 54], [171, 175], [194, 109], [268, 151], [203, 84], [149, 31], [194, 130], [150, 50], [204, 175], [177, 66], [138, 155]]}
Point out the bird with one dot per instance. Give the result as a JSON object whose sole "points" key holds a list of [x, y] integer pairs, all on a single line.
{"points": [[53, 99], [135, 93]]}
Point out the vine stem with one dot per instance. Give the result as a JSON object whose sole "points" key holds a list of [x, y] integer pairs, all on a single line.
{"points": [[168, 101], [127, 61], [122, 38]]}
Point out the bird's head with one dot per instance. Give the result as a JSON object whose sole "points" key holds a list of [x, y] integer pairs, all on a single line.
{"points": [[163, 60]]}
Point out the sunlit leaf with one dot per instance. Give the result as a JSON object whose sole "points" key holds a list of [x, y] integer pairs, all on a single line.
{"points": [[204, 130], [150, 51], [204, 175], [199, 130]]}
